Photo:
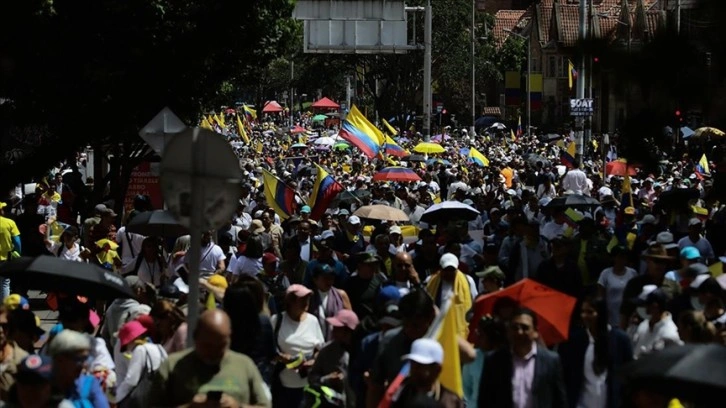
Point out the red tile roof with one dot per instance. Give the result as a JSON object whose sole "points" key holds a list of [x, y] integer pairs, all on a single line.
{"points": [[505, 20], [544, 20], [492, 110], [569, 19]]}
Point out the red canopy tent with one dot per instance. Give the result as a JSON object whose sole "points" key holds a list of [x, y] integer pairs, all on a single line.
{"points": [[325, 103], [272, 107]]}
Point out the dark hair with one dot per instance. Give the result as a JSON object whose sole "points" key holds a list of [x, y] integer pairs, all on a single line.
{"points": [[255, 248], [243, 303], [602, 351], [416, 304], [494, 330], [526, 312]]}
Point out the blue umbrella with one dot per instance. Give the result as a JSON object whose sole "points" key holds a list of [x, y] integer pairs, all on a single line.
{"points": [[464, 151], [299, 146], [687, 132], [442, 161]]}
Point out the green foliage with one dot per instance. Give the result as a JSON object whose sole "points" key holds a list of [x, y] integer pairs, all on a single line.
{"points": [[97, 70]]}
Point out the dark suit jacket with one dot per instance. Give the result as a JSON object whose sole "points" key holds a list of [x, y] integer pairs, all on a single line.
{"points": [[572, 354], [548, 387]]}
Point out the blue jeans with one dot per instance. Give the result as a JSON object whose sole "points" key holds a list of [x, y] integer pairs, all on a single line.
{"points": [[5, 288]]}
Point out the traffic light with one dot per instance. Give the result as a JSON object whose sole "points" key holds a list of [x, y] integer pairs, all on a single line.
{"points": [[679, 116], [595, 59]]}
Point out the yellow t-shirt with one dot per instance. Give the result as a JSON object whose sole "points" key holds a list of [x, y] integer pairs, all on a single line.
{"points": [[8, 230]]}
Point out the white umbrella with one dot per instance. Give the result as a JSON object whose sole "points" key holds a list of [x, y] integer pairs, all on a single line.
{"points": [[449, 210], [325, 141], [498, 126]]}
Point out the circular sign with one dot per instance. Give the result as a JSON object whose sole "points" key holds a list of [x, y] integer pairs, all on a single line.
{"points": [[200, 165]]}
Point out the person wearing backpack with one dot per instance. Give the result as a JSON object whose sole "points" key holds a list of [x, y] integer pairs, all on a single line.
{"points": [[71, 351], [144, 359]]}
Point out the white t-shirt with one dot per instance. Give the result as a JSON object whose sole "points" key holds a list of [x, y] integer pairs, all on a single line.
{"points": [[73, 254], [614, 287], [209, 258], [127, 258], [294, 338], [247, 266], [150, 272], [156, 355]]}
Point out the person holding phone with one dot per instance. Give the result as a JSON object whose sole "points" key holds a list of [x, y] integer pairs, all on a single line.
{"points": [[209, 374]]}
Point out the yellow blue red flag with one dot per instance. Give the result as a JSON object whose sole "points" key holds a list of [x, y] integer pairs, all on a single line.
{"points": [[279, 195], [361, 133]]}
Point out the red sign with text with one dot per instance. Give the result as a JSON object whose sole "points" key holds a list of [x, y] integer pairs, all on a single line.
{"points": [[145, 180]]}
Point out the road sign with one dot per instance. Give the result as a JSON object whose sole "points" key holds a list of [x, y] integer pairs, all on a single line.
{"points": [[200, 163], [581, 107], [160, 129], [439, 107]]}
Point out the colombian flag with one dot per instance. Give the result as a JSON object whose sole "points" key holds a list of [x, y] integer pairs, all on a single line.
{"points": [[250, 112], [279, 195], [361, 133], [476, 157], [205, 124], [392, 148], [519, 127], [324, 191], [702, 167], [571, 73], [567, 157]]}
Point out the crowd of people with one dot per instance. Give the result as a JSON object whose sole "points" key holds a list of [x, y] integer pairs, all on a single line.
{"points": [[326, 312]]}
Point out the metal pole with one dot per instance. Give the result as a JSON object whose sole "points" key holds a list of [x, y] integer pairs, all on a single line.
{"points": [[678, 17], [427, 75], [580, 121], [347, 96], [195, 232], [588, 120], [292, 93], [529, 84], [473, 67]]}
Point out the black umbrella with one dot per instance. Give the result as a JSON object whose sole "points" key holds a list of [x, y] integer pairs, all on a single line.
{"points": [[695, 372], [449, 211], [485, 121], [533, 158], [49, 273], [157, 223], [415, 158], [351, 196], [676, 198], [573, 201]]}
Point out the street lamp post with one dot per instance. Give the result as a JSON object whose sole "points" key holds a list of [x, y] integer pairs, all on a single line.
{"points": [[529, 76], [473, 67]]}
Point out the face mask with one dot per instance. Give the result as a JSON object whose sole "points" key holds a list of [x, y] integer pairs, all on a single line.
{"points": [[696, 304], [642, 313]]}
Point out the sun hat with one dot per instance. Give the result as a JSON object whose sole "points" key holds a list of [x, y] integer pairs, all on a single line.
{"points": [[256, 227], [690, 253], [425, 351], [344, 318], [449, 260], [35, 369], [130, 331], [298, 290]]}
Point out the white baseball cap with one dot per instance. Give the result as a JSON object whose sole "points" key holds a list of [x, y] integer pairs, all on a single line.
{"points": [[395, 230], [353, 219], [425, 351], [449, 260], [698, 280]]}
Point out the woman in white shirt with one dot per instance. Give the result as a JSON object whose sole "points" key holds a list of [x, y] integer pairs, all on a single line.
{"points": [[67, 246], [145, 357], [592, 358], [297, 333], [150, 266], [612, 281]]}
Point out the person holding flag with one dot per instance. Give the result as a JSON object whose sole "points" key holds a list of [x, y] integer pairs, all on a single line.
{"points": [[426, 358]]}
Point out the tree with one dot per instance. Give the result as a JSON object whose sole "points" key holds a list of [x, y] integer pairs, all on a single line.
{"points": [[95, 71]]}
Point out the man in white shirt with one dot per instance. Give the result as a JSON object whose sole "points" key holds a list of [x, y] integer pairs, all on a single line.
{"points": [[657, 331], [212, 258], [576, 180], [130, 247]]}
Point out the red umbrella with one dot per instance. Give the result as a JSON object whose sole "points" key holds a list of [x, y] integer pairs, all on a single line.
{"points": [[272, 107], [620, 168], [553, 308], [325, 103], [396, 173]]}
